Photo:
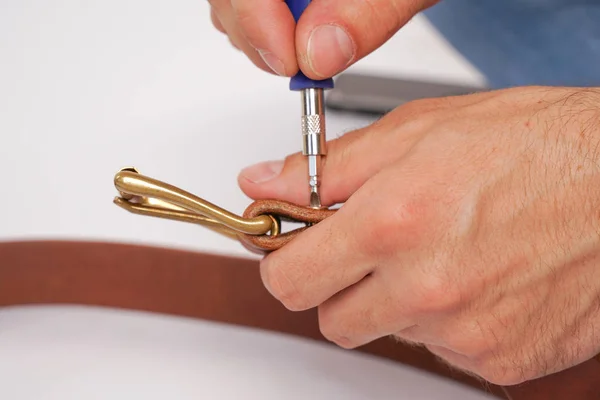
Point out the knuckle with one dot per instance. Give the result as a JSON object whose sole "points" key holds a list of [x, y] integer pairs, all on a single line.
{"points": [[392, 227], [219, 27], [282, 287], [342, 153], [242, 14], [216, 21], [437, 293], [420, 123], [294, 161], [248, 20], [233, 43], [333, 328], [415, 107], [420, 115], [219, 6], [327, 324]]}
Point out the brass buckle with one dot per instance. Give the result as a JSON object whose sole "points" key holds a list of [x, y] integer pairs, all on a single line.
{"points": [[143, 195]]}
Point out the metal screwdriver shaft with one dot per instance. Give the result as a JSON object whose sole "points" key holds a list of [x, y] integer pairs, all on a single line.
{"points": [[313, 139], [313, 116]]}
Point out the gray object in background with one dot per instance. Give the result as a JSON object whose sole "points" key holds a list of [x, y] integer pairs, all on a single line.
{"points": [[378, 95]]}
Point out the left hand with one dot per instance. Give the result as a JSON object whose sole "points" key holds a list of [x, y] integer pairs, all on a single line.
{"points": [[470, 225]]}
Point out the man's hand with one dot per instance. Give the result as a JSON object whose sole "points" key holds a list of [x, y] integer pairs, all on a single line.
{"points": [[470, 225], [331, 35]]}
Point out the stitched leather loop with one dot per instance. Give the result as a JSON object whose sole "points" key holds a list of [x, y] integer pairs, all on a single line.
{"points": [[284, 211]]}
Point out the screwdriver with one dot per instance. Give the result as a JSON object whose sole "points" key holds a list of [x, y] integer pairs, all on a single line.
{"points": [[312, 117]]}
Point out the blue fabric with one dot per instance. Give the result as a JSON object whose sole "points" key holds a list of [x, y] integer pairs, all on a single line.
{"points": [[525, 42], [301, 81]]}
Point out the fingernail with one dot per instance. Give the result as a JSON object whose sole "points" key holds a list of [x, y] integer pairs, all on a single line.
{"points": [[273, 62], [330, 50], [262, 172]]}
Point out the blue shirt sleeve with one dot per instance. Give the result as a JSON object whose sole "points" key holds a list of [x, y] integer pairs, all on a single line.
{"points": [[525, 42]]}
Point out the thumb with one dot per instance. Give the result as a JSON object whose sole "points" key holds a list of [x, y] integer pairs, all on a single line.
{"points": [[333, 34], [351, 160]]}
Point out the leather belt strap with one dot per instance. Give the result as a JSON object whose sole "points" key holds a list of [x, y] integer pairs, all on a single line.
{"points": [[281, 210], [214, 288]]}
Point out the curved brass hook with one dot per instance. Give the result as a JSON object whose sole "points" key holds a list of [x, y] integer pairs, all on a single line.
{"points": [[147, 196]]}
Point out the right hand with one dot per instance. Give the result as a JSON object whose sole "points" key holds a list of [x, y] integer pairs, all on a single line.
{"points": [[331, 35]]}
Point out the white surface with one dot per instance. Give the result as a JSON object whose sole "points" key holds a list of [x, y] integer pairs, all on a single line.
{"points": [[87, 87], [144, 356]]}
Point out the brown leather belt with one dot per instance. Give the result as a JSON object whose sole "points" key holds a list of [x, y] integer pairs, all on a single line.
{"points": [[214, 288], [283, 211]]}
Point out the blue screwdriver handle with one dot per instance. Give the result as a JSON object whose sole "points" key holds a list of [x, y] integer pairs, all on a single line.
{"points": [[300, 81]]}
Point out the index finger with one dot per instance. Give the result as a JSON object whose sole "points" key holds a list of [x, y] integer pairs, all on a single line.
{"points": [[269, 27], [320, 262]]}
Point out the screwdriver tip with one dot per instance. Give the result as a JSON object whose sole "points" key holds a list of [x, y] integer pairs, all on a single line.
{"points": [[315, 199]]}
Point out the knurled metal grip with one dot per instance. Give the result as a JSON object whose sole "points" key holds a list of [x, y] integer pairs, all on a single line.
{"points": [[313, 122], [313, 135]]}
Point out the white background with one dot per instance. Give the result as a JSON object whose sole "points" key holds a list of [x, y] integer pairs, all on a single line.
{"points": [[87, 87]]}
